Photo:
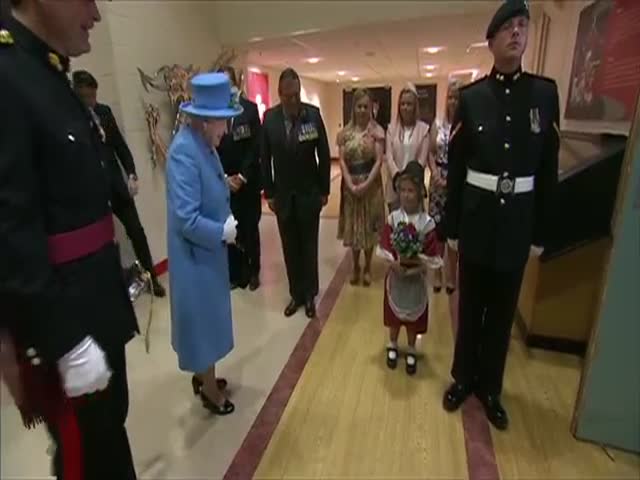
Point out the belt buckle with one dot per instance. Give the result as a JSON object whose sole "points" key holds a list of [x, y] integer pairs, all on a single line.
{"points": [[506, 186]]}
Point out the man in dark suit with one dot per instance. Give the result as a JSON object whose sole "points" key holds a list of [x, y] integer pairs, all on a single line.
{"points": [[64, 301], [118, 154], [503, 168], [239, 153], [296, 185]]}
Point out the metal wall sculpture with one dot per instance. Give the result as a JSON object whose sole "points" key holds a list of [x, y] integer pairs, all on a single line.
{"points": [[174, 81]]}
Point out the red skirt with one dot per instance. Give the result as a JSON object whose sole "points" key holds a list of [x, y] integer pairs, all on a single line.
{"points": [[391, 320]]}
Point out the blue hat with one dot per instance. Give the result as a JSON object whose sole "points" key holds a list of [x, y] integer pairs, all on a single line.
{"points": [[508, 10], [212, 97]]}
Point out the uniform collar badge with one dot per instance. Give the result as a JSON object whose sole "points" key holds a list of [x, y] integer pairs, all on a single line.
{"points": [[5, 37], [57, 62]]}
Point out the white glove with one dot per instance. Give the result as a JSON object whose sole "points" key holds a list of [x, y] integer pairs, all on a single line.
{"points": [[229, 231], [84, 369], [453, 244], [535, 251]]}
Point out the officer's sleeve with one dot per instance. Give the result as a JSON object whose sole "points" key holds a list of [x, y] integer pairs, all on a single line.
{"points": [[185, 197], [120, 146], [33, 297], [457, 171], [252, 155], [546, 178], [324, 158], [267, 161]]}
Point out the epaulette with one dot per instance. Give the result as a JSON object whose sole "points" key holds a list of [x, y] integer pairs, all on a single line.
{"points": [[475, 82], [541, 77], [6, 39]]}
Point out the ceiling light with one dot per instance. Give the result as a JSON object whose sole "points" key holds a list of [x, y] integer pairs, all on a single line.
{"points": [[430, 67], [341, 73], [313, 60], [429, 75], [355, 79], [254, 70], [433, 50], [477, 45], [255, 39]]}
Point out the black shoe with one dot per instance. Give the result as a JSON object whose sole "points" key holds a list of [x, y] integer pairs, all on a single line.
{"points": [[392, 358], [310, 309], [412, 364], [158, 289], [225, 409], [292, 308], [451, 290], [455, 396], [197, 384], [254, 283], [495, 412]]}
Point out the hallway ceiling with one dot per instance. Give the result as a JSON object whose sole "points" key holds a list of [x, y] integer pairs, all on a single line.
{"points": [[380, 52]]}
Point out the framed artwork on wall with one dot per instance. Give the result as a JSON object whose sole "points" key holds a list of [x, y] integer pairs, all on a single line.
{"points": [[427, 95]]}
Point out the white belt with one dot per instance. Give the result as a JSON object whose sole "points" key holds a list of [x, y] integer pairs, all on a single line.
{"points": [[502, 185]]}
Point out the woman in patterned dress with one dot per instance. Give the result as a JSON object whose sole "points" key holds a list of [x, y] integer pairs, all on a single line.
{"points": [[361, 147], [438, 163]]}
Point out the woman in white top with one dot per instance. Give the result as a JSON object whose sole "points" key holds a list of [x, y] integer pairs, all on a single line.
{"points": [[407, 140]]}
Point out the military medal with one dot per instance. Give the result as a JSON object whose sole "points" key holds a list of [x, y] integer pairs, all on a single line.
{"points": [[534, 120], [5, 37], [55, 62]]}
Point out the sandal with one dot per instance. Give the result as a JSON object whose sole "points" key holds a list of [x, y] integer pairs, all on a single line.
{"points": [[196, 384], [225, 409], [412, 364], [392, 357]]}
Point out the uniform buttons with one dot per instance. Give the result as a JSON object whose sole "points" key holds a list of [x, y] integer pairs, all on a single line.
{"points": [[36, 361], [109, 204], [508, 118], [502, 202], [507, 91], [507, 146], [505, 174], [31, 352]]}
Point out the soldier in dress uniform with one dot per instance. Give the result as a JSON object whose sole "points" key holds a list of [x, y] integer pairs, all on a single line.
{"points": [[240, 155], [503, 167], [118, 154], [296, 185], [61, 286]]}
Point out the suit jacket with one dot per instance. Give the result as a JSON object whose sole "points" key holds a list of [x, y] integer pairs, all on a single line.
{"points": [[504, 126], [117, 152], [239, 149], [289, 165], [52, 182]]}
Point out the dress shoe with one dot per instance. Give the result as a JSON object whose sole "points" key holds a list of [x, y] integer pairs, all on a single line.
{"points": [[292, 308], [158, 289], [310, 309], [455, 396], [496, 414], [254, 283]]}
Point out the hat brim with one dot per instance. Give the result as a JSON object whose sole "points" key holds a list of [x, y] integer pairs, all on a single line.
{"points": [[222, 113]]}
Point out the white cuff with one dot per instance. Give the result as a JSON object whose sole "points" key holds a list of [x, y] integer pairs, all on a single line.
{"points": [[453, 244], [535, 251]]}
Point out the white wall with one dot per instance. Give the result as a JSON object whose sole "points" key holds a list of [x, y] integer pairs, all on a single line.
{"points": [[147, 34]]}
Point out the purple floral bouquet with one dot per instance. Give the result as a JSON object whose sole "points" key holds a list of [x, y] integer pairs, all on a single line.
{"points": [[406, 242]]}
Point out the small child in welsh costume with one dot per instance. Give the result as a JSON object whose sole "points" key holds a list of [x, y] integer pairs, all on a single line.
{"points": [[409, 243]]}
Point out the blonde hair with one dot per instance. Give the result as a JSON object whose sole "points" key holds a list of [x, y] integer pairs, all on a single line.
{"points": [[454, 85], [411, 90], [358, 95]]}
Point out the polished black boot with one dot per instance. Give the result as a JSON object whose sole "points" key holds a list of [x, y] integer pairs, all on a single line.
{"points": [[495, 412], [292, 308], [310, 308], [455, 396]]}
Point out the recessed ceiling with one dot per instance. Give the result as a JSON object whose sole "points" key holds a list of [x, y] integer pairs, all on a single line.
{"points": [[381, 52]]}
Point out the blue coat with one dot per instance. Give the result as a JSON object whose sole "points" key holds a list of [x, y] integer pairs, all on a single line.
{"points": [[197, 207]]}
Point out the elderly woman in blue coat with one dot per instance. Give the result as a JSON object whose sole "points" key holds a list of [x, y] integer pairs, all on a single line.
{"points": [[200, 226]]}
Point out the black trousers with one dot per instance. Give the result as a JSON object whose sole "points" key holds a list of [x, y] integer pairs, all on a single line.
{"points": [[487, 305], [106, 454], [125, 210], [299, 229], [244, 257]]}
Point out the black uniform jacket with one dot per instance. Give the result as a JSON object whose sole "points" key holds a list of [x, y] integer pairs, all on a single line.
{"points": [[289, 165], [52, 180], [118, 153], [239, 149], [505, 126]]}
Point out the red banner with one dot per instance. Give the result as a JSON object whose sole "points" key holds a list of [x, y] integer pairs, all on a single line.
{"points": [[258, 91], [605, 75]]}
